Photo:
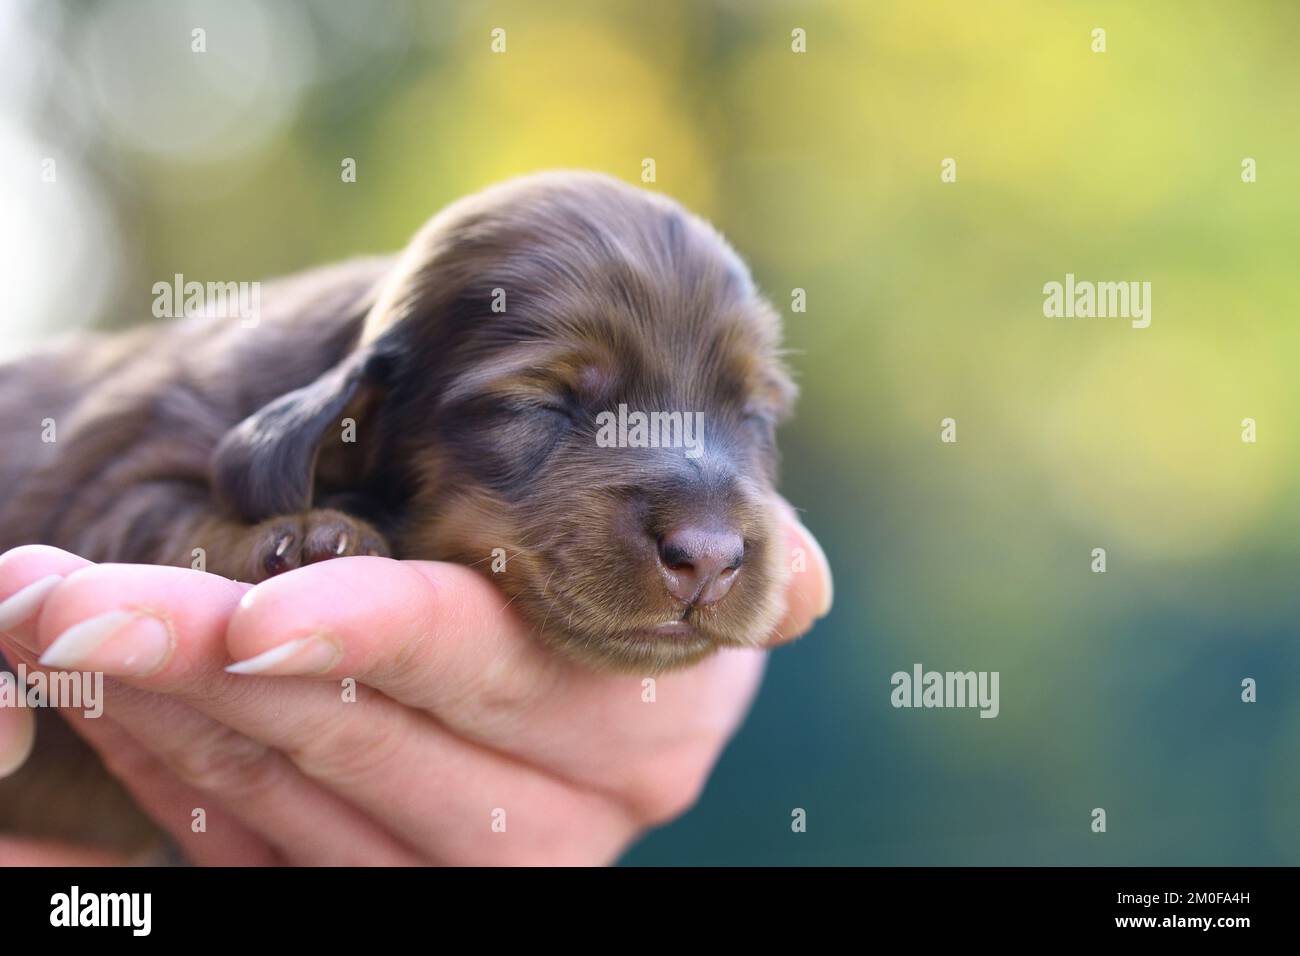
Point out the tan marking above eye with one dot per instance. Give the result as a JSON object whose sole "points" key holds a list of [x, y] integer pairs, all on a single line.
{"points": [[594, 382]]}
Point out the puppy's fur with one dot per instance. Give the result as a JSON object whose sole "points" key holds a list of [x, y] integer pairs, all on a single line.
{"points": [[471, 370]]}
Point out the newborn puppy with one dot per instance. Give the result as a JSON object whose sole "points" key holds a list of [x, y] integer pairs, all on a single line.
{"points": [[564, 381]]}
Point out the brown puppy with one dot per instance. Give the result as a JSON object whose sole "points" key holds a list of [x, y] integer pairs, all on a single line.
{"points": [[458, 403], [478, 399]]}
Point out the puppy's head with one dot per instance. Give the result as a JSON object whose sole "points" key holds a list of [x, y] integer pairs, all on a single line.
{"points": [[577, 391]]}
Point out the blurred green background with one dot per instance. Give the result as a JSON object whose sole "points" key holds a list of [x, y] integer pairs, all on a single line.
{"points": [[1118, 690]]}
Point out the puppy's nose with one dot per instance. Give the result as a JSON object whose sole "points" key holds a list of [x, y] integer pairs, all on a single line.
{"points": [[700, 562]]}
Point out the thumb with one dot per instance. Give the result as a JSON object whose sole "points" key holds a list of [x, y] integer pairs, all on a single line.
{"points": [[810, 590], [17, 727]]}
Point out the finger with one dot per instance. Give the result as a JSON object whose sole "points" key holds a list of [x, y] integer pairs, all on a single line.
{"points": [[397, 610], [124, 619], [810, 590], [431, 635], [27, 576], [17, 729]]}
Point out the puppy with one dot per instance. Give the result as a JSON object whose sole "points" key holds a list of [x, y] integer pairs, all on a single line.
{"points": [[564, 381]]}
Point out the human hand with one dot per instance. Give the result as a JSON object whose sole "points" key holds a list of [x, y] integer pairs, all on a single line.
{"points": [[461, 724]]}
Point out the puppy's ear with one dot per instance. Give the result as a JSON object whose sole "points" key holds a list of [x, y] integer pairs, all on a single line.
{"points": [[266, 465]]}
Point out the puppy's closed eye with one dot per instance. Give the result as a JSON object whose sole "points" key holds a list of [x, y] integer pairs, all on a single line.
{"points": [[561, 408]]}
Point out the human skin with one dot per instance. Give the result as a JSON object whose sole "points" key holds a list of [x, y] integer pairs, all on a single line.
{"points": [[459, 713]]}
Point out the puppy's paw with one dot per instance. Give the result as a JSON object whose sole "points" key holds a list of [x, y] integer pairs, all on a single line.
{"points": [[282, 544]]}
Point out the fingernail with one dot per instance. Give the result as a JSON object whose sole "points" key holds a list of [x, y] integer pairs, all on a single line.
{"points": [[25, 602], [123, 643], [300, 658], [17, 732]]}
